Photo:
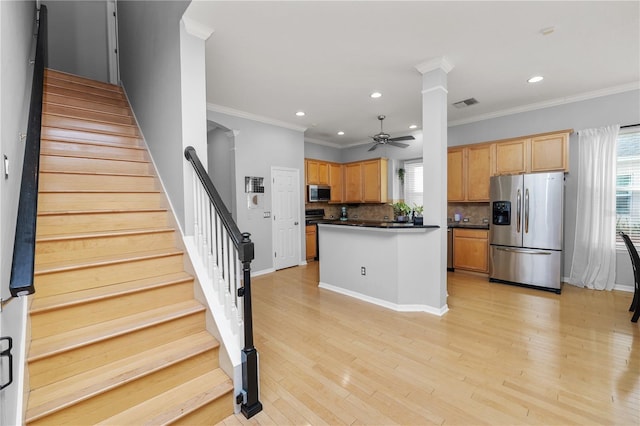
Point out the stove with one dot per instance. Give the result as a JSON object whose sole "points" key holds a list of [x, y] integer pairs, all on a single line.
{"points": [[312, 216]]}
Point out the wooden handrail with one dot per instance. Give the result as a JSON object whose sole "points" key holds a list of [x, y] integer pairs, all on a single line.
{"points": [[249, 398], [22, 266]]}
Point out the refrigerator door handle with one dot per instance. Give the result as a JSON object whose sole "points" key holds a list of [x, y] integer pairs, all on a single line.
{"points": [[526, 211], [512, 250], [518, 211]]}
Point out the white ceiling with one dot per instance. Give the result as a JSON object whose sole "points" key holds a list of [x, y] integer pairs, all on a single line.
{"points": [[271, 59]]}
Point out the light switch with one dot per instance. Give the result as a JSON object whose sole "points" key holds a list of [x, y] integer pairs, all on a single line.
{"points": [[6, 167]]}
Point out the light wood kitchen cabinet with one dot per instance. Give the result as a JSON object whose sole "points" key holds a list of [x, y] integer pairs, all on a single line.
{"points": [[469, 173], [511, 157], [310, 231], [471, 249], [366, 181], [538, 153], [550, 153], [317, 172], [335, 181]]}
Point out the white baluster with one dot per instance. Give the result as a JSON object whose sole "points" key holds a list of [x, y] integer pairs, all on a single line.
{"points": [[195, 207]]}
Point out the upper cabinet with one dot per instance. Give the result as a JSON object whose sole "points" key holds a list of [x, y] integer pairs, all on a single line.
{"points": [[335, 181], [317, 172], [374, 181], [353, 183], [541, 153], [468, 173]]}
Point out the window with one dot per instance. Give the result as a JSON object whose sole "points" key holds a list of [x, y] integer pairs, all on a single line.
{"points": [[413, 183], [628, 183]]}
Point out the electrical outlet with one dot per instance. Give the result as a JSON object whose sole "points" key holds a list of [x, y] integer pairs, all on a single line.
{"points": [[266, 214], [363, 270], [466, 219]]}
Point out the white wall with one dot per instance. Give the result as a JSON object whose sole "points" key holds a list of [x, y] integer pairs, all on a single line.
{"points": [[322, 152], [149, 39], [78, 38], [220, 153], [621, 108], [258, 147], [16, 47]]}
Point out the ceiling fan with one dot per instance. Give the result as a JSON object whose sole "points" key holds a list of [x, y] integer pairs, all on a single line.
{"points": [[383, 138]]}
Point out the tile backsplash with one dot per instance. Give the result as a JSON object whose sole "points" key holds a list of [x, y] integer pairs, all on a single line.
{"points": [[475, 212], [361, 211]]}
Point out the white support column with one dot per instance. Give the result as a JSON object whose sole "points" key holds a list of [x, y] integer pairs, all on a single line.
{"points": [[434, 157], [194, 103]]}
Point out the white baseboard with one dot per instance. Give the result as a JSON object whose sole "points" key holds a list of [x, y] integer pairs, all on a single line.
{"points": [[621, 287], [384, 303], [262, 272]]}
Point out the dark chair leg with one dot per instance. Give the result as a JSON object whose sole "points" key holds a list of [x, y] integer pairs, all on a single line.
{"points": [[634, 302], [636, 314]]}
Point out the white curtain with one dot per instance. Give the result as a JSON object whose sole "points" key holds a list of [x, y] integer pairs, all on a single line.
{"points": [[594, 252]]}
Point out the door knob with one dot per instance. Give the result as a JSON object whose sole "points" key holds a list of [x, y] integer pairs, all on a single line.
{"points": [[295, 223]]}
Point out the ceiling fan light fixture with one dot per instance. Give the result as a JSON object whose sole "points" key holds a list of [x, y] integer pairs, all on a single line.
{"points": [[535, 79], [300, 113], [340, 133], [413, 126], [376, 95]]}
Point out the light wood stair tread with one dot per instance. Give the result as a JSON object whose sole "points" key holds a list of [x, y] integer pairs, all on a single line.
{"points": [[63, 342], [69, 265], [72, 118], [49, 303], [57, 396], [80, 172], [71, 108], [102, 234], [93, 143], [96, 191], [80, 212], [61, 75], [177, 402], [89, 130], [72, 154], [81, 135]]}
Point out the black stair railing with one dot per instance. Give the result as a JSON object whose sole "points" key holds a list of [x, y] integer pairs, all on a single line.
{"points": [[22, 266], [215, 229]]}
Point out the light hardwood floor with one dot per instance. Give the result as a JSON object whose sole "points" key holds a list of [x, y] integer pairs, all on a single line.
{"points": [[501, 355]]}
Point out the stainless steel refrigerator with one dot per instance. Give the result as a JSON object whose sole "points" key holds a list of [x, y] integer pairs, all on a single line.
{"points": [[525, 235]]}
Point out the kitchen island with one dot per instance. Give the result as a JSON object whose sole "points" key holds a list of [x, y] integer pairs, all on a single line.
{"points": [[379, 262]]}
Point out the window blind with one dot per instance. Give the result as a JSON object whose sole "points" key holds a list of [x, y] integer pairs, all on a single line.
{"points": [[413, 183], [628, 183]]}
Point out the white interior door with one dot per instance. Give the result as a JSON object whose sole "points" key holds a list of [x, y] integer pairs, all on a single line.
{"points": [[112, 41], [286, 217]]}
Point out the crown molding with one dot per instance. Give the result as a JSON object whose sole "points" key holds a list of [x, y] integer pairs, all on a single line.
{"points": [[550, 103], [197, 29], [434, 64], [254, 117], [321, 142]]}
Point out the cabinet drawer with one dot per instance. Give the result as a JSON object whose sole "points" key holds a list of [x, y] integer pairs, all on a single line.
{"points": [[471, 233]]}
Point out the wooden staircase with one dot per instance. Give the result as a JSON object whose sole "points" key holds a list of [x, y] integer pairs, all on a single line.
{"points": [[117, 336]]}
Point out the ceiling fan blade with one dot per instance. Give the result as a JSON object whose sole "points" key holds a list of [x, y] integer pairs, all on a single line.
{"points": [[398, 144], [402, 138], [375, 145]]}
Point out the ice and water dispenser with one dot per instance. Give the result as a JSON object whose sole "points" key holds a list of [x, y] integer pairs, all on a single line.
{"points": [[502, 212]]}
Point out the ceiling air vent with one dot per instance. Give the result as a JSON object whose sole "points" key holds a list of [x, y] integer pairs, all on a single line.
{"points": [[465, 103]]}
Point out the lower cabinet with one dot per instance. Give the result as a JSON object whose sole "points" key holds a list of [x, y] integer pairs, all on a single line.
{"points": [[471, 249], [311, 242]]}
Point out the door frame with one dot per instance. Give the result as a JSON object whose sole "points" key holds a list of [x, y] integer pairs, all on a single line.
{"points": [[274, 232], [113, 56]]}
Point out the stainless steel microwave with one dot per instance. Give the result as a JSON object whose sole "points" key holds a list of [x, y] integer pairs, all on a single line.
{"points": [[318, 193]]}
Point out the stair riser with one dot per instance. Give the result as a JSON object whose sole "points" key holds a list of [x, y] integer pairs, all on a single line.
{"points": [[79, 135], [58, 367], [79, 94], [111, 92], [92, 165], [64, 224], [57, 202], [70, 149], [91, 182], [52, 283], [86, 248], [49, 73], [121, 398], [51, 108], [90, 126], [70, 318], [50, 98], [210, 414]]}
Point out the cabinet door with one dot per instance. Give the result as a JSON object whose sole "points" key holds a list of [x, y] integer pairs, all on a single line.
{"points": [[478, 173], [310, 232], [373, 172], [455, 175], [549, 153], [312, 172], [323, 173], [335, 180], [353, 183], [511, 157], [471, 250]]}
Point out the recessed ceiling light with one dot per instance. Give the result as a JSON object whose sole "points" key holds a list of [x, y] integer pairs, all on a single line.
{"points": [[340, 133], [535, 79], [413, 126], [375, 95], [547, 31], [300, 113]]}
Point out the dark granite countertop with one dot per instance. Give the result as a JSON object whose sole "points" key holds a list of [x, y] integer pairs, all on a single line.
{"points": [[468, 225], [374, 224]]}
